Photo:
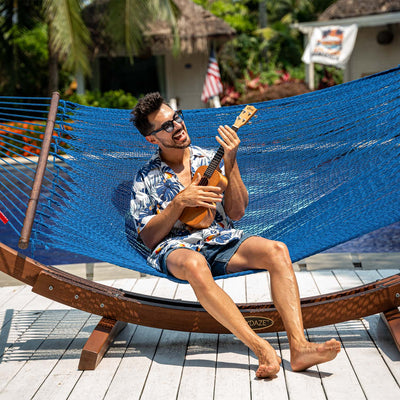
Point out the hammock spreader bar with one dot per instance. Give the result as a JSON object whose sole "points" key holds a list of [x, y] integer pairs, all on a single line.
{"points": [[116, 305], [40, 170]]}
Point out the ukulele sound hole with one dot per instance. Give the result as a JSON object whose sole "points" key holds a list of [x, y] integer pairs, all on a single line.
{"points": [[203, 181]]}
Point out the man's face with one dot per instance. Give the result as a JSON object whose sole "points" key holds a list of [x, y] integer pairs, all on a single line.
{"points": [[177, 139]]}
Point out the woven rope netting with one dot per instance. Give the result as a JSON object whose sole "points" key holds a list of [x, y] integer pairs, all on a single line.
{"points": [[321, 169]]}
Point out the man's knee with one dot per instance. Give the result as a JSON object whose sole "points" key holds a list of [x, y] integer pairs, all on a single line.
{"points": [[275, 253], [279, 248], [191, 267]]}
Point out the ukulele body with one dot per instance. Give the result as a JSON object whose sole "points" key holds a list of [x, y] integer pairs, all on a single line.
{"points": [[202, 217]]}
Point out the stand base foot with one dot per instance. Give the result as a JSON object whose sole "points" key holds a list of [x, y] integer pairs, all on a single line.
{"points": [[98, 343], [392, 320]]}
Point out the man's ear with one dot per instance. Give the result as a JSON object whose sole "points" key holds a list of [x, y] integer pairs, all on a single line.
{"points": [[151, 139]]}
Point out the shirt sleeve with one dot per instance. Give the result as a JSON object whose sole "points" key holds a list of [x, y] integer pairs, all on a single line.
{"points": [[142, 208]]}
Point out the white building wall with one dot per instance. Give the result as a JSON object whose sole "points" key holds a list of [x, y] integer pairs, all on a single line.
{"points": [[369, 56], [185, 78]]}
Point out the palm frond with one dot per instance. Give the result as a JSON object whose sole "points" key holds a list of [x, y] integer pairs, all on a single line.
{"points": [[167, 10], [126, 22], [129, 19], [69, 35]]}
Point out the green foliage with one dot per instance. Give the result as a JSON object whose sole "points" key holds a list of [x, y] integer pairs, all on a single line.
{"points": [[282, 44], [25, 28], [111, 99], [69, 38], [327, 75], [27, 73], [235, 14], [263, 52], [241, 15], [33, 43]]}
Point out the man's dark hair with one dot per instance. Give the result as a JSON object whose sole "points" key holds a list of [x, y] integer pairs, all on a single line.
{"points": [[145, 106]]}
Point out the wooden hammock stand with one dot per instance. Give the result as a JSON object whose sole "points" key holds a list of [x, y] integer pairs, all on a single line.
{"points": [[118, 307]]}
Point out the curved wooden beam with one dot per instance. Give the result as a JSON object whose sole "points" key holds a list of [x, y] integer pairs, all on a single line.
{"points": [[120, 305]]}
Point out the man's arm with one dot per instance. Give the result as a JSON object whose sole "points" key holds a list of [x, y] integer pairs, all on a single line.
{"points": [[236, 197], [193, 196]]}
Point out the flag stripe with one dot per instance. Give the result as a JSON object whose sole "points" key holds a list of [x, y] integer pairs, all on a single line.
{"points": [[212, 84]]}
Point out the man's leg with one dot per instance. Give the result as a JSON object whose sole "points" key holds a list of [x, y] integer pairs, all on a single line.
{"points": [[260, 253], [191, 266]]}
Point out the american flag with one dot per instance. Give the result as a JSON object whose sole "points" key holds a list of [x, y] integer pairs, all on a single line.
{"points": [[212, 84]]}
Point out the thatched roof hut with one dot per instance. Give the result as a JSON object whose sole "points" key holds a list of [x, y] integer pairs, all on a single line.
{"points": [[180, 78], [196, 26], [358, 8]]}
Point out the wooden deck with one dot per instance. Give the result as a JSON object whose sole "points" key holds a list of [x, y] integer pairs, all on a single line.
{"points": [[40, 344]]}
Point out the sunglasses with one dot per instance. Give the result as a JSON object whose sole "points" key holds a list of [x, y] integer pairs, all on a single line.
{"points": [[168, 126]]}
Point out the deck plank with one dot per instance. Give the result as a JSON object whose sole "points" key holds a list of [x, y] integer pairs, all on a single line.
{"points": [[232, 375], [61, 380], [198, 376], [131, 374], [363, 353], [42, 340], [258, 290], [301, 384], [24, 348], [95, 384], [36, 370], [166, 369], [378, 330], [8, 292], [340, 381]]}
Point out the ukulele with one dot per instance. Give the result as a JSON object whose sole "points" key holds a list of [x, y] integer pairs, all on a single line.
{"points": [[202, 217]]}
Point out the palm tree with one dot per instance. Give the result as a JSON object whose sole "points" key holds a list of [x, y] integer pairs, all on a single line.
{"points": [[69, 38]]}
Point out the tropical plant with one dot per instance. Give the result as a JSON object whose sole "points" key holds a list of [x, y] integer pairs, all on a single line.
{"points": [[262, 51], [68, 38], [110, 99], [125, 22], [20, 40]]}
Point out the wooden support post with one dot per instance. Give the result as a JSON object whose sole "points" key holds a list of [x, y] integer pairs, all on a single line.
{"points": [[98, 343], [392, 320], [39, 174]]}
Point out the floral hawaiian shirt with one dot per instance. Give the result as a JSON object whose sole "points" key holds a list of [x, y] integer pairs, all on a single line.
{"points": [[154, 186]]}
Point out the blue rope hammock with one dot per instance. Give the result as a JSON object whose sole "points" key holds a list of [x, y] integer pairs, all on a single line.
{"points": [[321, 169]]}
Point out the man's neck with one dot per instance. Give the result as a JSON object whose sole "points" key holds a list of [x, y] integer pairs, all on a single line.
{"points": [[175, 157]]}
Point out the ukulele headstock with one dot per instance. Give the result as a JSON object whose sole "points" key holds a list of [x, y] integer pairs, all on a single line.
{"points": [[245, 116]]}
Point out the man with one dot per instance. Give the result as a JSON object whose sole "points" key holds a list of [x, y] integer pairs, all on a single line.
{"points": [[164, 187]]}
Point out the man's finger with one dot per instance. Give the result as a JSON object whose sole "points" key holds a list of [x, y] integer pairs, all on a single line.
{"points": [[197, 179]]}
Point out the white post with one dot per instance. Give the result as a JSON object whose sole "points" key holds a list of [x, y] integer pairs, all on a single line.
{"points": [[173, 102], [310, 75], [215, 102]]}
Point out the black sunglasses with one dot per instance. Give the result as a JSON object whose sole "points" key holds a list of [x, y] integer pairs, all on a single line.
{"points": [[168, 126]]}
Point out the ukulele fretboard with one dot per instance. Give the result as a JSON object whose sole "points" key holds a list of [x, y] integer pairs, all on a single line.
{"points": [[213, 164]]}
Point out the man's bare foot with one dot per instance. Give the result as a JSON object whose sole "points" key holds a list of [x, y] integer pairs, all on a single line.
{"points": [[269, 362], [311, 354]]}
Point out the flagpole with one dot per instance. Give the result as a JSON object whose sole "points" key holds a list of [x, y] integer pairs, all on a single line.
{"points": [[215, 101]]}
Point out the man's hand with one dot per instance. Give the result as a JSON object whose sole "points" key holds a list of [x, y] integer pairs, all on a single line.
{"points": [[199, 196], [230, 141], [236, 196]]}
